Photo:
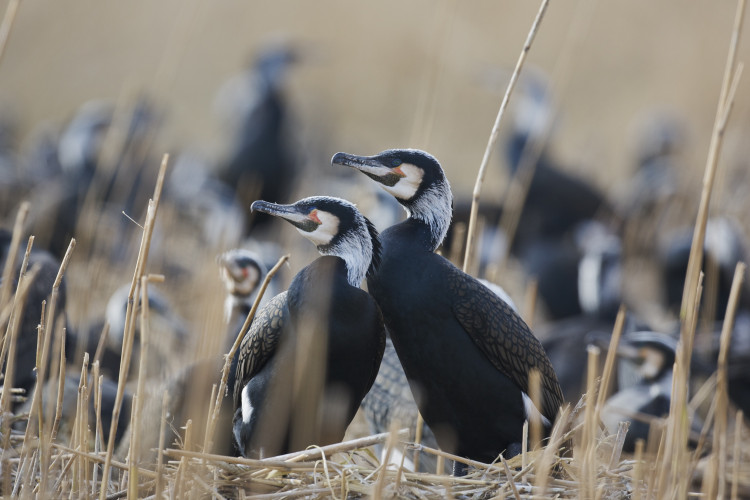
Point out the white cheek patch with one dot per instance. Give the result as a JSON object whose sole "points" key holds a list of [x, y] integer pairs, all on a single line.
{"points": [[324, 233], [532, 412], [407, 186], [247, 408]]}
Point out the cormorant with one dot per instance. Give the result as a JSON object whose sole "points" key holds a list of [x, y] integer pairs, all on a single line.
{"points": [[466, 353], [644, 373], [313, 352], [260, 163], [390, 400]]}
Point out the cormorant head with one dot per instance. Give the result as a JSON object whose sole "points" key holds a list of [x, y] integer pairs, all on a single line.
{"points": [[242, 271], [650, 354], [415, 178], [335, 227]]}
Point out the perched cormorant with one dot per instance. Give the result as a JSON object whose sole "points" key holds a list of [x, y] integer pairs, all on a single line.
{"points": [[645, 385], [167, 333], [313, 352], [466, 353], [260, 163]]}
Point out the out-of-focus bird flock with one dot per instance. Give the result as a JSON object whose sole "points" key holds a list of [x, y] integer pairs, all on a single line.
{"points": [[599, 224]]}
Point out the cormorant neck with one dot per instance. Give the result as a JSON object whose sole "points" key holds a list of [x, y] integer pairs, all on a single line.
{"points": [[355, 248], [434, 208], [235, 305]]}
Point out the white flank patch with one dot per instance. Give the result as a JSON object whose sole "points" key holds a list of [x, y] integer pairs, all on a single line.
{"points": [[531, 410], [247, 408], [589, 270]]}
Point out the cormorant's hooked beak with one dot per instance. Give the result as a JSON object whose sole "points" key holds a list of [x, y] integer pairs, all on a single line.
{"points": [[370, 166], [299, 217]]}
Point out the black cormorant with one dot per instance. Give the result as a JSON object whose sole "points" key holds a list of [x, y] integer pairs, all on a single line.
{"points": [[260, 163], [646, 360], [466, 353], [313, 352]]}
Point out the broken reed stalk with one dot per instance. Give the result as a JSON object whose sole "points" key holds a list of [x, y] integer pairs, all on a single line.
{"points": [[127, 343], [529, 301], [496, 131], [41, 368], [233, 350], [10, 261], [736, 458], [11, 305], [609, 362], [160, 452], [722, 115], [688, 310], [135, 422], [718, 463], [11, 337], [7, 26], [590, 426], [60, 389]]}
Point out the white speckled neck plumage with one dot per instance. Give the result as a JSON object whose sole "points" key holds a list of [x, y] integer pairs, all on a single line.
{"points": [[434, 207], [355, 248]]}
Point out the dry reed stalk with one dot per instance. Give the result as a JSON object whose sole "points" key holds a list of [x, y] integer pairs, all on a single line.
{"points": [[377, 492], [127, 345], [132, 485], [524, 446], [11, 336], [97, 390], [588, 444], [737, 458], [424, 115], [11, 305], [557, 438], [609, 362], [622, 431], [688, 311], [41, 370], [673, 461], [60, 389], [15, 242], [496, 131], [160, 453], [535, 393], [509, 479], [8, 20], [529, 301], [102, 342], [638, 470], [418, 432], [182, 468], [717, 484], [135, 423]]}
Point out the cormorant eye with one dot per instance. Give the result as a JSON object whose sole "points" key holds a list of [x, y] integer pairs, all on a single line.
{"points": [[395, 162]]}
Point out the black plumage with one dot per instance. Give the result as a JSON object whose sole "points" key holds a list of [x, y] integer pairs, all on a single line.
{"points": [[260, 163], [466, 353], [313, 352]]}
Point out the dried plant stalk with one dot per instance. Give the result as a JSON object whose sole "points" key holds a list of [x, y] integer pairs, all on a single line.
{"points": [[496, 131]]}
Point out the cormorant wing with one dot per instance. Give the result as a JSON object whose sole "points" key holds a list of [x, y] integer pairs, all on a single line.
{"points": [[504, 338], [260, 342]]}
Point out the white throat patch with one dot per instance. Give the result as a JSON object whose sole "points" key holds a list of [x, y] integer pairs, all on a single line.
{"points": [[407, 186], [325, 232]]}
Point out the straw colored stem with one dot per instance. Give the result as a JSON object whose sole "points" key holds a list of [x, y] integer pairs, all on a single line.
{"points": [[496, 131], [15, 242], [129, 315]]}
